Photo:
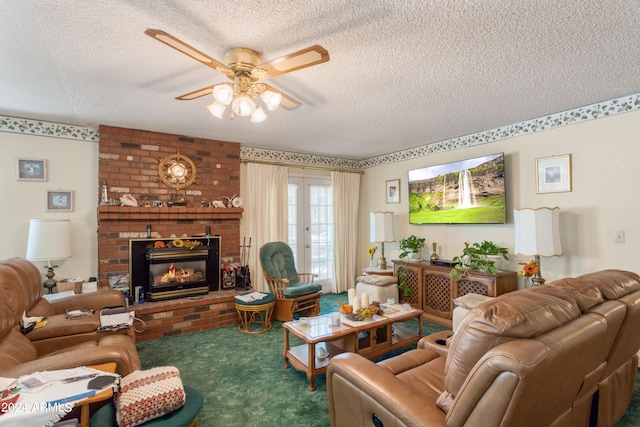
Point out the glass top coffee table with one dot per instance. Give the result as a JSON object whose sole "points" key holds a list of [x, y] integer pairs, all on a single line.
{"points": [[371, 339]]}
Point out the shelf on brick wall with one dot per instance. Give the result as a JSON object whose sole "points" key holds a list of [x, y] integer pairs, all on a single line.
{"points": [[119, 213]]}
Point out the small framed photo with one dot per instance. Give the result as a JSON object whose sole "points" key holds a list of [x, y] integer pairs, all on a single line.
{"points": [[553, 174], [31, 169], [59, 201], [393, 191]]}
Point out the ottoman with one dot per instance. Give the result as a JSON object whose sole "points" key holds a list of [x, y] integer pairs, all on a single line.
{"points": [[255, 312], [379, 288], [186, 416]]}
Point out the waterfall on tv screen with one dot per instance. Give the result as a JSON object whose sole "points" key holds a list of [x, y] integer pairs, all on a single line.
{"points": [[466, 190]]}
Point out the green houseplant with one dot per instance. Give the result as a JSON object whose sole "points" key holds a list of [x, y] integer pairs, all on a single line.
{"points": [[410, 246], [477, 257], [403, 288]]}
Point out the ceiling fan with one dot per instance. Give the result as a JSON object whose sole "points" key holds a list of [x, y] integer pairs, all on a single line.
{"points": [[244, 68]]}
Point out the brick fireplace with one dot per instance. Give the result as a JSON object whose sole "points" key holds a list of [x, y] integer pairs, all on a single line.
{"points": [[128, 163]]}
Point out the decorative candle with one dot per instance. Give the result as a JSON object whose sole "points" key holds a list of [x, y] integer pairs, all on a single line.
{"points": [[364, 300], [351, 294], [335, 319], [356, 303]]}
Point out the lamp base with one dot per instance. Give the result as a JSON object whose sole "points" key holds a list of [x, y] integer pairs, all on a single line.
{"points": [[49, 284], [382, 263], [537, 279]]}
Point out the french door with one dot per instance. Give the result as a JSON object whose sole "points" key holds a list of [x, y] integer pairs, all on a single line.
{"points": [[311, 227]]}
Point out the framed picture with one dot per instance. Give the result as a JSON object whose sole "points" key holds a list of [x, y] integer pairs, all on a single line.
{"points": [[31, 169], [553, 174], [393, 191], [59, 200]]}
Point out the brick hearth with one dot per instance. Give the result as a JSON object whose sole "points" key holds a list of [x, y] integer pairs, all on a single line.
{"points": [[185, 315]]}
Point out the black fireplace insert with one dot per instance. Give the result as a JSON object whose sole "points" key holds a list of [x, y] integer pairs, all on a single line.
{"points": [[174, 268]]}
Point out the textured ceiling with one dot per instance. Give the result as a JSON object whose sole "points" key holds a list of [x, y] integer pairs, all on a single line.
{"points": [[402, 73]]}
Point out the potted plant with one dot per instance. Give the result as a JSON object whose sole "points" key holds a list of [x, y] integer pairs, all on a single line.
{"points": [[403, 288], [411, 247], [478, 257]]}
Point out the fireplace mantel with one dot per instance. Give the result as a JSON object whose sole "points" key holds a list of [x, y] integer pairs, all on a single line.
{"points": [[119, 213]]}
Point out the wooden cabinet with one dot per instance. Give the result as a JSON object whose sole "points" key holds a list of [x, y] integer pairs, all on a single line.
{"points": [[414, 281], [373, 338], [435, 289]]}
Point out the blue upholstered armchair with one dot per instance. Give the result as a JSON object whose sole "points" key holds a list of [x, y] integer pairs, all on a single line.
{"points": [[295, 292]]}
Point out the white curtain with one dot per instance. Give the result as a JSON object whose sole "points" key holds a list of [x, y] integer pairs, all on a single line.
{"points": [[346, 196], [266, 207]]}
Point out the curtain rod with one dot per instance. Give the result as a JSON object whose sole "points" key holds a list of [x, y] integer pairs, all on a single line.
{"points": [[302, 166]]}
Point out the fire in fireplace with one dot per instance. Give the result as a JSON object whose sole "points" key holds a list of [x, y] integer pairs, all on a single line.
{"points": [[165, 271], [180, 274]]}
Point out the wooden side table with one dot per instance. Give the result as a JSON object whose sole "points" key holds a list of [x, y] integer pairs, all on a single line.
{"points": [[367, 271], [85, 414]]}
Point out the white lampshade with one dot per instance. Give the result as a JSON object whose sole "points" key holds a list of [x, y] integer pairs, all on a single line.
{"points": [[258, 116], [223, 94], [243, 105], [381, 227], [49, 240], [216, 109], [272, 99], [537, 232]]}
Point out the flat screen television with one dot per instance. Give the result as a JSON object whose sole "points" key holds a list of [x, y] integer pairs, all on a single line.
{"points": [[468, 191]]}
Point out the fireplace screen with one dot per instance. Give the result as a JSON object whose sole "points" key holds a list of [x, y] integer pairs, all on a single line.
{"points": [[177, 273]]}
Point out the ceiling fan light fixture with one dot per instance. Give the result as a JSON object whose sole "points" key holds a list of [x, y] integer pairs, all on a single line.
{"points": [[271, 99], [244, 67], [243, 105], [258, 116], [223, 94], [217, 109]]}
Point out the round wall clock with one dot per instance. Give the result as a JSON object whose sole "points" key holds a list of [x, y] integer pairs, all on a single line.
{"points": [[177, 171]]}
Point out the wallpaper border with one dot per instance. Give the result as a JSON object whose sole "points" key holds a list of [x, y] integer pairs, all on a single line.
{"points": [[44, 128], [589, 112], [576, 115]]}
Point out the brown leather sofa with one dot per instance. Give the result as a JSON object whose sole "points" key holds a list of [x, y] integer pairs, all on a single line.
{"points": [[563, 354], [61, 343]]}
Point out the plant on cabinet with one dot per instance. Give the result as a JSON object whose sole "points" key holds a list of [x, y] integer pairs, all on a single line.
{"points": [[477, 257], [411, 247]]}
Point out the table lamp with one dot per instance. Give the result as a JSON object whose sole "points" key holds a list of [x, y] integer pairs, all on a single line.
{"points": [[49, 240], [537, 233], [381, 232]]}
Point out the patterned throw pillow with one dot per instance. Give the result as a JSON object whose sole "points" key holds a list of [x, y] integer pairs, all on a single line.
{"points": [[145, 395]]}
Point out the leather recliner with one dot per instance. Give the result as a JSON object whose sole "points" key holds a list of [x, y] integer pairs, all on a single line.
{"points": [[61, 343], [563, 354]]}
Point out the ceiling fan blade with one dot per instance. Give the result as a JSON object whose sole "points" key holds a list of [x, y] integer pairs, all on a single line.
{"points": [[288, 103], [181, 46], [196, 94], [304, 58]]}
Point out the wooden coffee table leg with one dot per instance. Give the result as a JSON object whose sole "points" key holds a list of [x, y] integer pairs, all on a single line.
{"points": [[286, 349], [311, 370]]}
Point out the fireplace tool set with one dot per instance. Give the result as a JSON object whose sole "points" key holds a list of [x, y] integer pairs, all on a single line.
{"points": [[243, 279]]}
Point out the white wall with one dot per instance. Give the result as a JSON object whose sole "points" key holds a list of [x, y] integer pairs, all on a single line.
{"points": [[72, 165], [605, 153]]}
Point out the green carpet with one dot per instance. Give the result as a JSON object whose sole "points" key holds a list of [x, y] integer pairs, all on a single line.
{"points": [[244, 383]]}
